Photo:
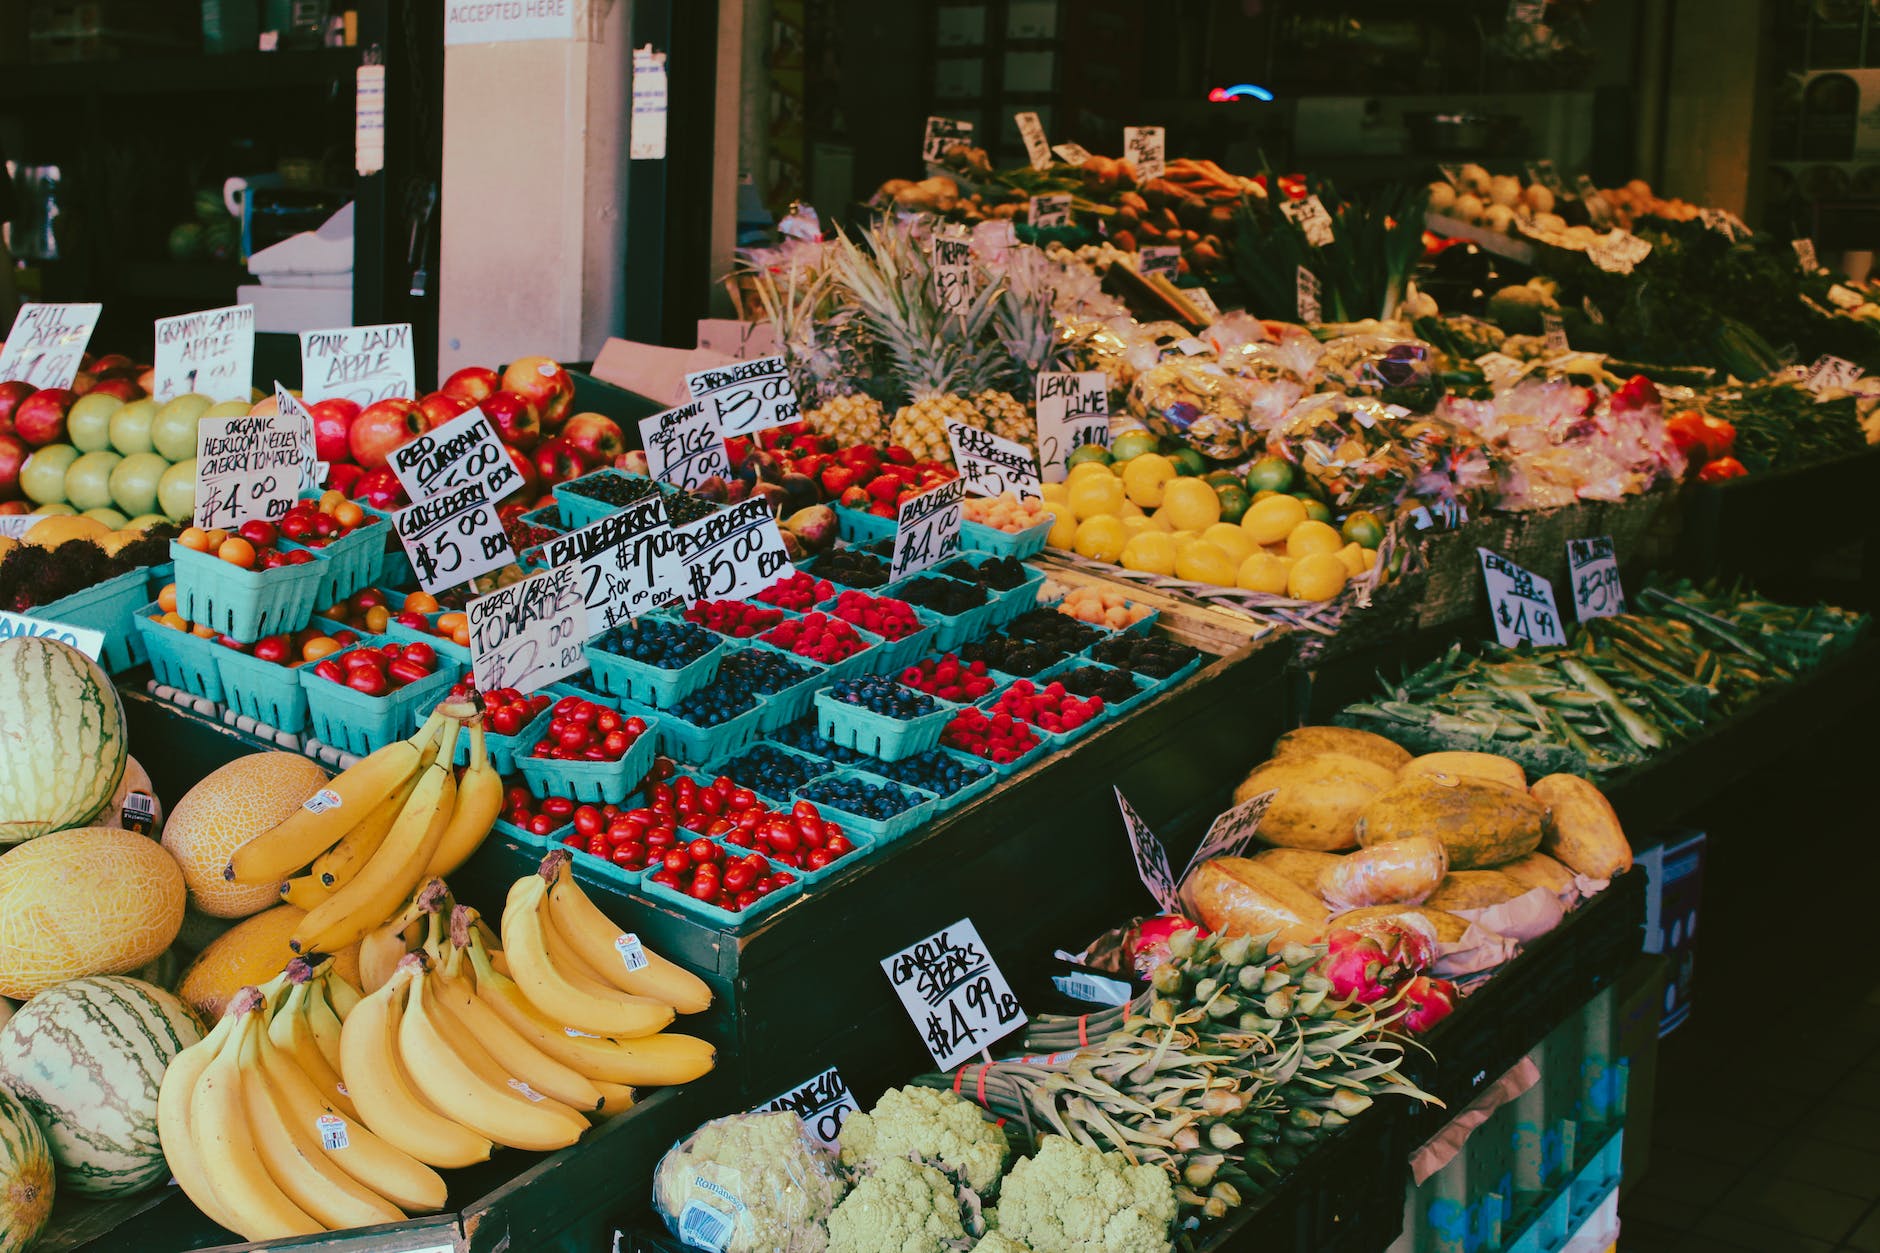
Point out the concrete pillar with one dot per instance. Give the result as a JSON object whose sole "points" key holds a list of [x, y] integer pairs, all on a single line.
{"points": [[1715, 133]]}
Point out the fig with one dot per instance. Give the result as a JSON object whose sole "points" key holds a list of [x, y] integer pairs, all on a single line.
{"points": [[771, 494], [800, 491], [815, 526], [713, 488], [762, 466]]}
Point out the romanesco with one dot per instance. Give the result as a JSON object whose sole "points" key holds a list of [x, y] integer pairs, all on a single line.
{"points": [[901, 1206], [999, 1242], [753, 1179], [1070, 1198], [933, 1125]]}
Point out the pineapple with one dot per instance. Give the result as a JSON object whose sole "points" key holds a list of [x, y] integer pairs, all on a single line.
{"points": [[1007, 417], [823, 349], [856, 418]]}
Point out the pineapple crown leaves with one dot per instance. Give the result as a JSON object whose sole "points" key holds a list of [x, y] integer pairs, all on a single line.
{"points": [[890, 279]]}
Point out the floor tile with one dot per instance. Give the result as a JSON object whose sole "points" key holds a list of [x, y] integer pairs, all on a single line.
{"points": [[1640, 1236], [1705, 1138], [1659, 1209], [1725, 1231], [1866, 1237], [1792, 1205], [1849, 1125], [1677, 1175], [1839, 1167]]}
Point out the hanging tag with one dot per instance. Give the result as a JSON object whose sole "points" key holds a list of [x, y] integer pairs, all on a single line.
{"points": [[369, 118], [1307, 290], [646, 139]]}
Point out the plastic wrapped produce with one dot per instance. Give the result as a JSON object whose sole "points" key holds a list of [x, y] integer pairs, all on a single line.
{"points": [[1394, 369], [750, 1183], [1194, 399], [1363, 455], [1403, 872]]}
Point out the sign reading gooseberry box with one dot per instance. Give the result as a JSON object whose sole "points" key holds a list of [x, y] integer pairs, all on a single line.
{"points": [[453, 538]]}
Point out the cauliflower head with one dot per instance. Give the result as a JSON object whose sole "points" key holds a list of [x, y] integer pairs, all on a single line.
{"points": [[999, 1242], [933, 1125], [1071, 1198], [901, 1206], [759, 1176]]}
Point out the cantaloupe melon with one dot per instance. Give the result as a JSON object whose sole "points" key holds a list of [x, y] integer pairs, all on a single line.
{"points": [[84, 902], [62, 743], [25, 1176], [112, 814], [250, 953], [226, 810]]}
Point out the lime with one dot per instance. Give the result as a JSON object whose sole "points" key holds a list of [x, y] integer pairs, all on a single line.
{"points": [[1363, 529], [1089, 453], [1188, 462], [1270, 474], [1220, 478], [1317, 510], [1234, 501], [1132, 444]]}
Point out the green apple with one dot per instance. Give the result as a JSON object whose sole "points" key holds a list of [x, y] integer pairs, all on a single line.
{"points": [[88, 480], [176, 491], [110, 517], [228, 409], [144, 521], [130, 427], [56, 508], [88, 425], [42, 478], [173, 430], [134, 482]]}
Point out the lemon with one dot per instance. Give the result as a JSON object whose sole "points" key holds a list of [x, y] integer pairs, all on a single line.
{"points": [[1190, 504], [1353, 557], [1202, 562], [1136, 524], [1095, 497], [1370, 557], [1158, 524], [1311, 537], [1144, 475], [1319, 576], [1101, 538], [1231, 540], [1053, 493], [1262, 572], [1152, 552], [1184, 538], [1363, 528], [1087, 470], [1063, 527], [1130, 509], [1271, 520]]}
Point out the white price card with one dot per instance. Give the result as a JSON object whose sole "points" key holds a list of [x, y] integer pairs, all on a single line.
{"points": [[1071, 154], [1159, 259], [248, 467], [1310, 217], [1831, 373], [748, 397], [943, 133], [927, 529], [15, 525], [1073, 409], [464, 450], [1199, 298], [1037, 148], [1725, 223], [211, 353], [953, 269], [1231, 831], [529, 634], [628, 562], [732, 554], [1554, 332], [684, 446], [1145, 147], [1151, 857], [1521, 602], [823, 1103], [991, 465], [313, 471], [953, 993], [646, 133], [1593, 571], [363, 364], [1306, 295], [1804, 257], [454, 538], [1597, 210], [1618, 252], [47, 344], [1501, 370], [1049, 211], [19, 625]]}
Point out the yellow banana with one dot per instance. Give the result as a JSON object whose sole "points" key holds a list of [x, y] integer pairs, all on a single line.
{"points": [[459, 1077], [374, 893], [253, 1203], [292, 1035], [569, 997], [619, 1099], [479, 802], [291, 1152], [388, 1103], [322, 1023], [607, 949], [337, 865], [340, 993], [388, 1170], [324, 819], [173, 1129], [304, 892], [661, 1059]]}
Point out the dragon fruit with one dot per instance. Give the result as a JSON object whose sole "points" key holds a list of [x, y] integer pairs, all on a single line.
{"points": [[1367, 961], [1147, 942], [1429, 1000]]}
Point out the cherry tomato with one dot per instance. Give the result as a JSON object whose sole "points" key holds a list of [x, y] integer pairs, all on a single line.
{"points": [[559, 807], [587, 820]]}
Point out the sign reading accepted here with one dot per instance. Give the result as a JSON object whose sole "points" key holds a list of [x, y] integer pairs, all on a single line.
{"points": [[507, 21]]}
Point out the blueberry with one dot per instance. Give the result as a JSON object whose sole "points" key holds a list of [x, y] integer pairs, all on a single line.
{"points": [[884, 696]]}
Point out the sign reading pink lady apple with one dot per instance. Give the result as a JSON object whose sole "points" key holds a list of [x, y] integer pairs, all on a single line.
{"points": [[47, 344], [363, 364], [211, 353]]}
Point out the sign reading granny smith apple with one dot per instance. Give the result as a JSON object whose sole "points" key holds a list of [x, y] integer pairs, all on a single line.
{"points": [[211, 353]]}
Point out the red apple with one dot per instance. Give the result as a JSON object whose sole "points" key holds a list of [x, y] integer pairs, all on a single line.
{"points": [[441, 407], [545, 385], [557, 462], [83, 382], [332, 420], [342, 475], [472, 383], [381, 489], [11, 393], [112, 363], [531, 478], [122, 386], [40, 418], [147, 379], [381, 427], [10, 508], [12, 457], [598, 439], [514, 418]]}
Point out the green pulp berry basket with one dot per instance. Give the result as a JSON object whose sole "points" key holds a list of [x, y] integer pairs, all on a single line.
{"points": [[595, 782], [880, 830], [689, 744], [353, 561], [395, 567], [359, 723], [244, 604], [891, 656], [108, 607], [721, 917], [978, 537], [819, 766], [878, 735], [183, 661], [858, 526], [507, 751], [578, 509], [655, 687], [266, 691]]}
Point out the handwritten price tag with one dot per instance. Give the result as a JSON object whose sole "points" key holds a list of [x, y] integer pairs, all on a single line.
{"points": [[990, 465], [464, 450], [628, 562], [731, 554], [953, 993], [313, 471], [943, 133], [1049, 211], [15, 525], [1831, 373], [1554, 332], [212, 353], [1618, 252], [1037, 148], [927, 528], [823, 1103], [364, 364], [748, 397], [1521, 602], [454, 538], [1071, 154], [1145, 147], [529, 634], [19, 626], [47, 344], [684, 445], [1159, 259], [248, 467], [1804, 257], [953, 269], [1310, 217], [1594, 573], [1151, 857], [1230, 833], [1073, 409], [1306, 295]]}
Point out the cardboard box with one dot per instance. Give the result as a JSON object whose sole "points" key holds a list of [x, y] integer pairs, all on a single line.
{"points": [[656, 373], [740, 340], [1675, 870]]}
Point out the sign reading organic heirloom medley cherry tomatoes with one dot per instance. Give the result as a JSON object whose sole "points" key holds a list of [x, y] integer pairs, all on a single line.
{"points": [[247, 467], [364, 364], [529, 634], [453, 538], [953, 993], [47, 344]]}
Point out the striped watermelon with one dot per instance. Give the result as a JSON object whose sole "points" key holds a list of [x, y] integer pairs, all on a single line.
{"points": [[86, 1058], [25, 1177], [62, 739]]}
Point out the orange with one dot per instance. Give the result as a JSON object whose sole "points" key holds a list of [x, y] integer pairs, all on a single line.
{"points": [[194, 537], [215, 539], [237, 552], [421, 602], [173, 620], [460, 634], [166, 599], [202, 631]]}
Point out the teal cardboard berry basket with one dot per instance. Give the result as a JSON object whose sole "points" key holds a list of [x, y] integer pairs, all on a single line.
{"points": [[245, 604]]}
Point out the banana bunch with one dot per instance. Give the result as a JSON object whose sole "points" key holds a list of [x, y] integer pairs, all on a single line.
{"points": [[376, 831], [259, 1134]]}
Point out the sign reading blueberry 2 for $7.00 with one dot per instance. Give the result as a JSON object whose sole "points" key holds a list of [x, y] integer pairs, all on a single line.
{"points": [[627, 563], [953, 993], [529, 634]]}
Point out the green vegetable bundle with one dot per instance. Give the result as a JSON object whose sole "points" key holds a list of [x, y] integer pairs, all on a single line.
{"points": [[1376, 243]]}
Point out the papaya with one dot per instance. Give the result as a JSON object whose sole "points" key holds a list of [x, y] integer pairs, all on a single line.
{"points": [[1302, 865], [1480, 823], [1318, 798], [1538, 870], [1449, 928], [1474, 889], [1311, 741], [1584, 832], [1402, 872], [1488, 766], [1239, 896]]}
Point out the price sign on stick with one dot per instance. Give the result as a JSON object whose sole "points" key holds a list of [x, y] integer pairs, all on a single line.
{"points": [[823, 1103], [313, 471], [1310, 217], [18, 626], [731, 554], [1073, 409], [1554, 332], [1145, 147], [1593, 569], [953, 269], [529, 634], [1071, 154], [927, 528], [364, 364], [1804, 257], [684, 445], [953, 993], [1230, 833], [212, 352], [47, 344], [1521, 602], [626, 563], [1037, 148], [247, 467], [1159, 259], [464, 450], [943, 133], [748, 397], [1046, 211], [990, 465], [1831, 373], [1151, 857], [454, 538], [1306, 295]]}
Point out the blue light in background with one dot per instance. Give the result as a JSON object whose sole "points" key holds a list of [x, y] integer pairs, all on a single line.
{"points": [[1239, 91]]}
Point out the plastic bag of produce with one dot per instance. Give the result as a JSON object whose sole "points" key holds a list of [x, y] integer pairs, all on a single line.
{"points": [[1403, 872], [1394, 369], [1239, 896], [1362, 454], [750, 1183], [1194, 399]]}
